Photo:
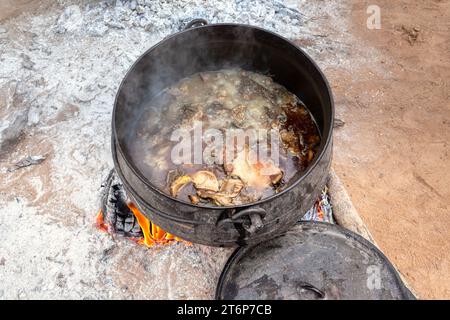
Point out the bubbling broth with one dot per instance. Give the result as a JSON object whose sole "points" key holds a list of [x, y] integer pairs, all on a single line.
{"points": [[187, 138]]}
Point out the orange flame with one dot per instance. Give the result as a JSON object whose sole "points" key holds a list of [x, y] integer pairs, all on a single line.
{"points": [[100, 222], [152, 233]]}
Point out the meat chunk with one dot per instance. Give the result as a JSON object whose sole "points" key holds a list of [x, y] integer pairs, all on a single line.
{"points": [[255, 174], [229, 189], [179, 184], [205, 180]]}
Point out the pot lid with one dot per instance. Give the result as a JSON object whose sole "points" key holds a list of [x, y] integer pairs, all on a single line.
{"points": [[311, 261]]}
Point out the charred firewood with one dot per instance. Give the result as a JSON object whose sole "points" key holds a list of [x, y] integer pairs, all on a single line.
{"points": [[116, 212]]}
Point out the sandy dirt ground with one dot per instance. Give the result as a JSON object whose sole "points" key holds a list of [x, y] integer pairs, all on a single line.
{"points": [[393, 151], [391, 89]]}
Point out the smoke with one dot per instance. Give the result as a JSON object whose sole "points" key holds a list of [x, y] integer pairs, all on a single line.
{"points": [[209, 48]]}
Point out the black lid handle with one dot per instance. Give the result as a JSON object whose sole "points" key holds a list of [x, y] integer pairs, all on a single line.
{"points": [[307, 286]]}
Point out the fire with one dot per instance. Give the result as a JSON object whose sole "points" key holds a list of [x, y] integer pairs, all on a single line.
{"points": [[100, 222], [152, 233]]}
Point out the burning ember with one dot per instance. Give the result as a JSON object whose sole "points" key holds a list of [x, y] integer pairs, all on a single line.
{"points": [[321, 210], [119, 216]]}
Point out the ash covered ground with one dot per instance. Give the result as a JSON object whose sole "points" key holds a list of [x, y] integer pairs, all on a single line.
{"points": [[60, 69]]}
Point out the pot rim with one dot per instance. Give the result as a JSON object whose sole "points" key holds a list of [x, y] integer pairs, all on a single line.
{"points": [[324, 145]]}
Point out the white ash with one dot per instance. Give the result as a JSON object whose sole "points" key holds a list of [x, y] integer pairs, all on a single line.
{"points": [[84, 263], [59, 73]]}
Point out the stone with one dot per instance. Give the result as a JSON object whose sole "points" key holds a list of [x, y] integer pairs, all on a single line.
{"points": [[338, 123], [26, 162], [13, 116], [12, 127], [344, 212]]}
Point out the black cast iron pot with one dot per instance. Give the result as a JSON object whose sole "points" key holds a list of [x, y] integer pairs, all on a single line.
{"points": [[208, 48]]}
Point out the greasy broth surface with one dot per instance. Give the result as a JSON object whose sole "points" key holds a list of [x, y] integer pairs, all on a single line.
{"points": [[225, 99]]}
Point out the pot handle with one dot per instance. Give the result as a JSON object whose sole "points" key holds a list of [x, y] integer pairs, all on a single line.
{"points": [[251, 224], [196, 23]]}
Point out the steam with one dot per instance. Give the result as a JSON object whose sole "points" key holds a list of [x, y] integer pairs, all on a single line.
{"points": [[203, 49]]}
